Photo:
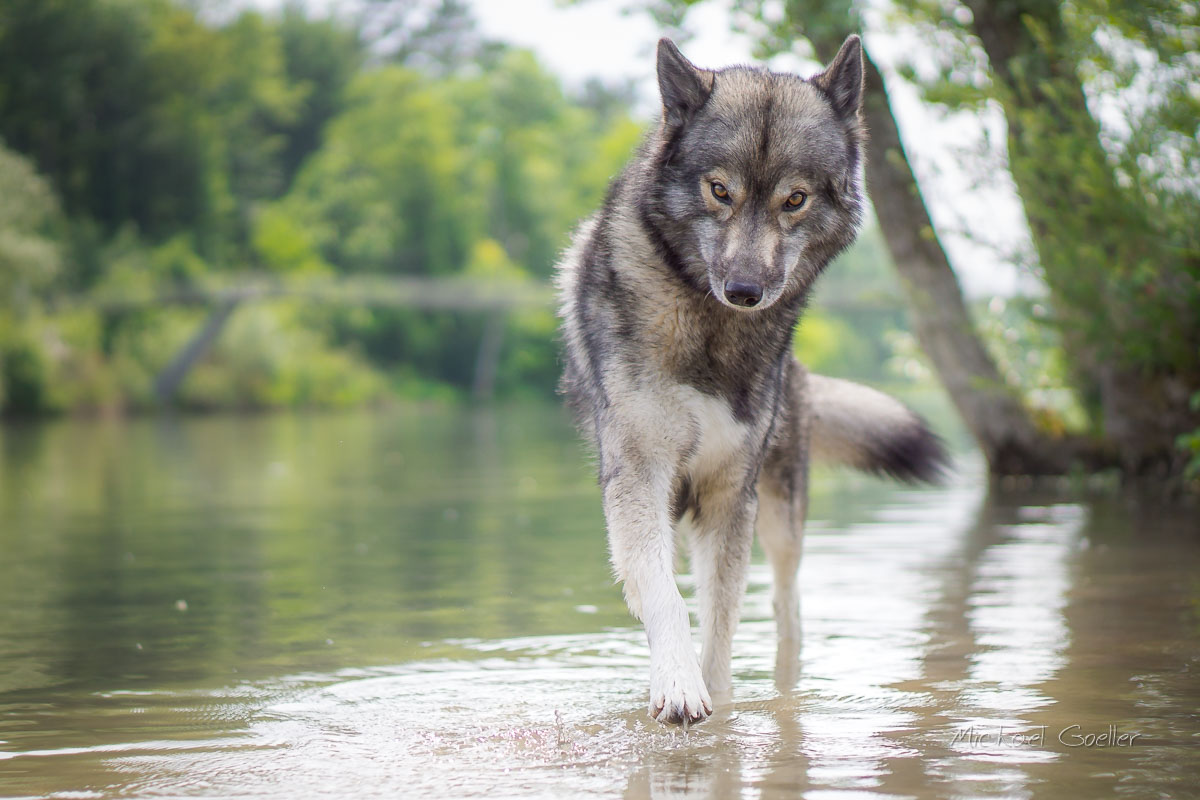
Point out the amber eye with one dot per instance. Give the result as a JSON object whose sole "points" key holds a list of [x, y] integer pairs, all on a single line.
{"points": [[720, 192], [795, 202]]}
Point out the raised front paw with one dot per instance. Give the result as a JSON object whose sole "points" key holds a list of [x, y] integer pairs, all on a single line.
{"points": [[678, 695]]}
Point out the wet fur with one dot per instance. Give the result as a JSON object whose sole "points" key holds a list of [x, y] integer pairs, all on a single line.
{"points": [[699, 413]]}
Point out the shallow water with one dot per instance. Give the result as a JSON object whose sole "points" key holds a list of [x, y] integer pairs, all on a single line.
{"points": [[418, 604]]}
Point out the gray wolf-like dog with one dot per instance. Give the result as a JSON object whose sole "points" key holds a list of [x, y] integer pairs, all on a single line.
{"points": [[679, 298]]}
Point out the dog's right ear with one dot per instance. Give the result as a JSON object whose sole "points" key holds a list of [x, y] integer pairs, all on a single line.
{"points": [[684, 86]]}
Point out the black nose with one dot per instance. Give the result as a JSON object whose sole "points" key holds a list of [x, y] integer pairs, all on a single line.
{"points": [[746, 295]]}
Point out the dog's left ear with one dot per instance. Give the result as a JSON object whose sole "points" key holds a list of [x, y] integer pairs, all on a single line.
{"points": [[842, 80], [683, 85]]}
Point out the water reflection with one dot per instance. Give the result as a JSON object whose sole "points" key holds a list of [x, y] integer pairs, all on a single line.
{"points": [[420, 605]]}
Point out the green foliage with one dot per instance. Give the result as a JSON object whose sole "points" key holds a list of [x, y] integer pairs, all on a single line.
{"points": [[414, 172], [1104, 150], [29, 258], [23, 377], [180, 149], [283, 245], [1139, 60], [384, 193], [482, 174], [1030, 357], [321, 57], [1189, 443], [29, 262], [156, 153], [266, 359], [826, 344], [142, 114]]}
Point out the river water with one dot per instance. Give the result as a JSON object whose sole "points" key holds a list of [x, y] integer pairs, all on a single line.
{"points": [[418, 604]]}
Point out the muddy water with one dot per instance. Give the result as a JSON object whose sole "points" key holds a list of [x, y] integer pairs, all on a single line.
{"points": [[418, 605]]}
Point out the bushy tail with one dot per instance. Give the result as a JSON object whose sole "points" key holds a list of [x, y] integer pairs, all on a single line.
{"points": [[868, 430]]}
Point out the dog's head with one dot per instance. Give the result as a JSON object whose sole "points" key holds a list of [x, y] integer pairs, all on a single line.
{"points": [[759, 174]]}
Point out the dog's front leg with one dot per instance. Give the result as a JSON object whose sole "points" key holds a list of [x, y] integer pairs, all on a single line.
{"points": [[642, 541]]}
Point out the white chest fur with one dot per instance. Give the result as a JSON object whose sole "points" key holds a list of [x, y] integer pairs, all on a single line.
{"points": [[721, 439]]}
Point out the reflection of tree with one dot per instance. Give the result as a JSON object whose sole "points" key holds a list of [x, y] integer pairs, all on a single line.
{"points": [[946, 664], [1118, 659], [952, 691], [1133, 645]]}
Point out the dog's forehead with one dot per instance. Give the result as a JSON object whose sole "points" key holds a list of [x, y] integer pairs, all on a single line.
{"points": [[761, 121]]}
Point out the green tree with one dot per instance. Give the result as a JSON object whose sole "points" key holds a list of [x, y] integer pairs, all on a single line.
{"points": [[184, 145], [29, 261], [321, 57], [388, 191], [30, 258], [1114, 230], [142, 114], [424, 177], [74, 95]]}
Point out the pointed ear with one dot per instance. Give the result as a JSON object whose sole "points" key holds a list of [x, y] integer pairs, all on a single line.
{"points": [[842, 80], [684, 87]]}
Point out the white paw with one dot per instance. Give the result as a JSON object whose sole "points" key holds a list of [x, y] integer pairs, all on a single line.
{"points": [[678, 695]]}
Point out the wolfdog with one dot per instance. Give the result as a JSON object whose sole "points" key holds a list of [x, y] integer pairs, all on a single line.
{"points": [[678, 303]]}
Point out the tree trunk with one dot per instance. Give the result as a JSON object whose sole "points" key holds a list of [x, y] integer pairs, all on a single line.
{"points": [[1077, 213], [172, 376], [994, 414], [1092, 237]]}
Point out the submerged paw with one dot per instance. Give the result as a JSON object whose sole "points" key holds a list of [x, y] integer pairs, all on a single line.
{"points": [[680, 700]]}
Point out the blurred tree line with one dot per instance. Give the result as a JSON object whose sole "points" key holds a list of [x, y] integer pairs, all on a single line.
{"points": [[153, 143], [1102, 104]]}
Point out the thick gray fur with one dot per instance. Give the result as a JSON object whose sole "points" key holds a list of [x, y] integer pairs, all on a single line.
{"points": [[700, 415]]}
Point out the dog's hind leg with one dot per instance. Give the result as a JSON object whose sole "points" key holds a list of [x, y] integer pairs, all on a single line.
{"points": [[782, 505], [720, 539], [780, 531]]}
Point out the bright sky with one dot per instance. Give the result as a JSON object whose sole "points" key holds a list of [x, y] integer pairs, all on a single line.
{"points": [[596, 38]]}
